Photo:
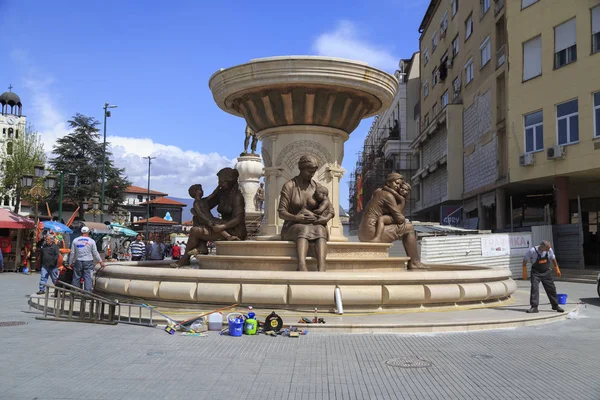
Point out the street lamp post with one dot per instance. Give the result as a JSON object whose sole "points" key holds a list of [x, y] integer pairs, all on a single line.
{"points": [[148, 199], [106, 115]]}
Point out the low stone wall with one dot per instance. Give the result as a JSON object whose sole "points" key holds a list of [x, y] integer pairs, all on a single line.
{"points": [[445, 285]]}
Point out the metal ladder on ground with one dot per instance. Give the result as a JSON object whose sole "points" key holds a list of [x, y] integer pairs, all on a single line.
{"points": [[71, 303]]}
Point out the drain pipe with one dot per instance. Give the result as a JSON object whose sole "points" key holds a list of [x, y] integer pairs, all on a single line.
{"points": [[338, 301]]}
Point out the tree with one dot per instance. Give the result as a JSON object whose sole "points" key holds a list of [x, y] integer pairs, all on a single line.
{"points": [[80, 153], [27, 152]]}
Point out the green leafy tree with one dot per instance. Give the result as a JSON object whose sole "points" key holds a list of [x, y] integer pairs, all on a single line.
{"points": [[26, 151], [80, 153]]}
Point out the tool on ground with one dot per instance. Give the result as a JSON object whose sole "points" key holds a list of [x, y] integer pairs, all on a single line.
{"points": [[190, 321], [273, 322]]}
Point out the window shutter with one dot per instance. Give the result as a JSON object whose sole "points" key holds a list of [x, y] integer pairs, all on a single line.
{"points": [[565, 35], [595, 20], [532, 58]]}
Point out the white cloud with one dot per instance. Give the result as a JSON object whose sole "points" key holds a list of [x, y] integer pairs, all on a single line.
{"points": [[173, 170], [345, 41]]}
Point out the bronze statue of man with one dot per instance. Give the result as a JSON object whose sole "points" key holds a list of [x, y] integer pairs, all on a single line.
{"points": [[250, 134], [259, 197], [383, 220]]}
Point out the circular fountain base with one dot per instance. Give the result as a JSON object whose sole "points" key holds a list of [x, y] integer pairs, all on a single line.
{"points": [[262, 274]]}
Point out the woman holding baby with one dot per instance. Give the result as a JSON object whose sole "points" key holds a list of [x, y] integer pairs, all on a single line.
{"points": [[302, 207], [383, 219]]}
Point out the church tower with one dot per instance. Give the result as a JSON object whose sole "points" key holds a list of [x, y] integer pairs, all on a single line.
{"points": [[12, 126]]}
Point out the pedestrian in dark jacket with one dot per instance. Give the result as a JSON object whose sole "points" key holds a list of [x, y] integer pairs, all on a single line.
{"points": [[49, 253]]}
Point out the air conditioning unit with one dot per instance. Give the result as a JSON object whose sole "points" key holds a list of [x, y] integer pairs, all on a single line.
{"points": [[526, 159], [555, 152]]}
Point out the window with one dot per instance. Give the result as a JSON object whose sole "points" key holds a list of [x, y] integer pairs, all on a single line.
{"points": [[565, 45], [425, 120], [567, 122], [444, 100], [435, 76], [426, 89], [469, 27], [532, 58], [455, 46], [434, 109], [444, 25], [486, 51], [140, 198], [454, 7], [485, 6], [434, 41], [9, 148], [4, 131], [469, 71], [426, 55], [16, 134], [10, 133], [597, 114], [527, 3], [456, 87], [596, 29], [534, 132]]}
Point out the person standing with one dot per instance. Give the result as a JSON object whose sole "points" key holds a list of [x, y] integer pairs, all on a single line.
{"points": [[539, 257], [1, 261], [182, 247], [158, 250], [137, 249], [176, 251], [83, 253], [49, 253]]}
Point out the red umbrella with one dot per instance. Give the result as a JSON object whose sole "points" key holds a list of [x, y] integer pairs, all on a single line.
{"points": [[10, 220]]}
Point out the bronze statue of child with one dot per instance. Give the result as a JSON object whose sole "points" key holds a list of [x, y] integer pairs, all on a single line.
{"points": [[201, 213], [384, 220], [322, 197]]}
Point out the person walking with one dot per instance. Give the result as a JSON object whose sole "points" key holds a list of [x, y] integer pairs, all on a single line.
{"points": [[158, 250], [539, 257], [137, 249], [182, 247], [83, 253], [49, 253]]}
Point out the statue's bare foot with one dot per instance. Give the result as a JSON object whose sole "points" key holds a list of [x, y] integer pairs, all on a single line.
{"points": [[417, 265], [375, 240], [233, 238], [302, 268], [193, 252]]}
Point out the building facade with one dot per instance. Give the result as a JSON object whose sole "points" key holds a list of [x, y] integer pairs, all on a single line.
{"points": [[554, 114], [12, 125], [461, 146], [386, 147]]}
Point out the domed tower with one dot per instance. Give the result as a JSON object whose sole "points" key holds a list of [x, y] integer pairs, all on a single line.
{"points": [[12, 125]]}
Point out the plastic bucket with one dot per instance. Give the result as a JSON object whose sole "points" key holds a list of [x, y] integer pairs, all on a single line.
{"points": [[562, 298], [236, 324], [26, 270]]}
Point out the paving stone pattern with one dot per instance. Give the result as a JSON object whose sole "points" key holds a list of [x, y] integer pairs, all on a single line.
{"points": [[59, 360]]}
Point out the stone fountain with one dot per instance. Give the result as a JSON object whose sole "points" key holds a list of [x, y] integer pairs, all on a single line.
{"points": [[304, 105]]}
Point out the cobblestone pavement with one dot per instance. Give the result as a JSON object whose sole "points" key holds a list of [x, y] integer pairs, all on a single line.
{"points": [[59, 360]]}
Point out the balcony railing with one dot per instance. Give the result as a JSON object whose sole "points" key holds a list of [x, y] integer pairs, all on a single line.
{"points": [[500, 56], [498, 6]]}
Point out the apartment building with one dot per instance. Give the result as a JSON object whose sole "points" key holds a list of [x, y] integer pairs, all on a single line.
{"points": [[387, 145], [461, 146], [554, 113]]}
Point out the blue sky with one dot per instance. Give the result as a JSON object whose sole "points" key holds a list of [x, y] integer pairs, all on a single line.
{"points": [[153, 59]]}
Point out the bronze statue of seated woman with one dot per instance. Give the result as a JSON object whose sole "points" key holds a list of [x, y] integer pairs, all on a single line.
{"points": [[231, 226], [306, 210], [383, 219]]}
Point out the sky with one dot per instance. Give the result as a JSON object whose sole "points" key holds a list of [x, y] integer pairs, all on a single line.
{"points": [[154, 59]]}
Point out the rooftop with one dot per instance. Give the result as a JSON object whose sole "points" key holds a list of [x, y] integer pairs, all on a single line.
{"points": [[155, 221], [165, 201], [141, 190]]}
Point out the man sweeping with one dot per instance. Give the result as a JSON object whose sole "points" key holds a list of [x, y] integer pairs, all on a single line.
{"points": [[541, 271]]}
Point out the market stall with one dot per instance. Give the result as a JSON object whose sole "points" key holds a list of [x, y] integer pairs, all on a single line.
{"points": [[13, 228]]}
